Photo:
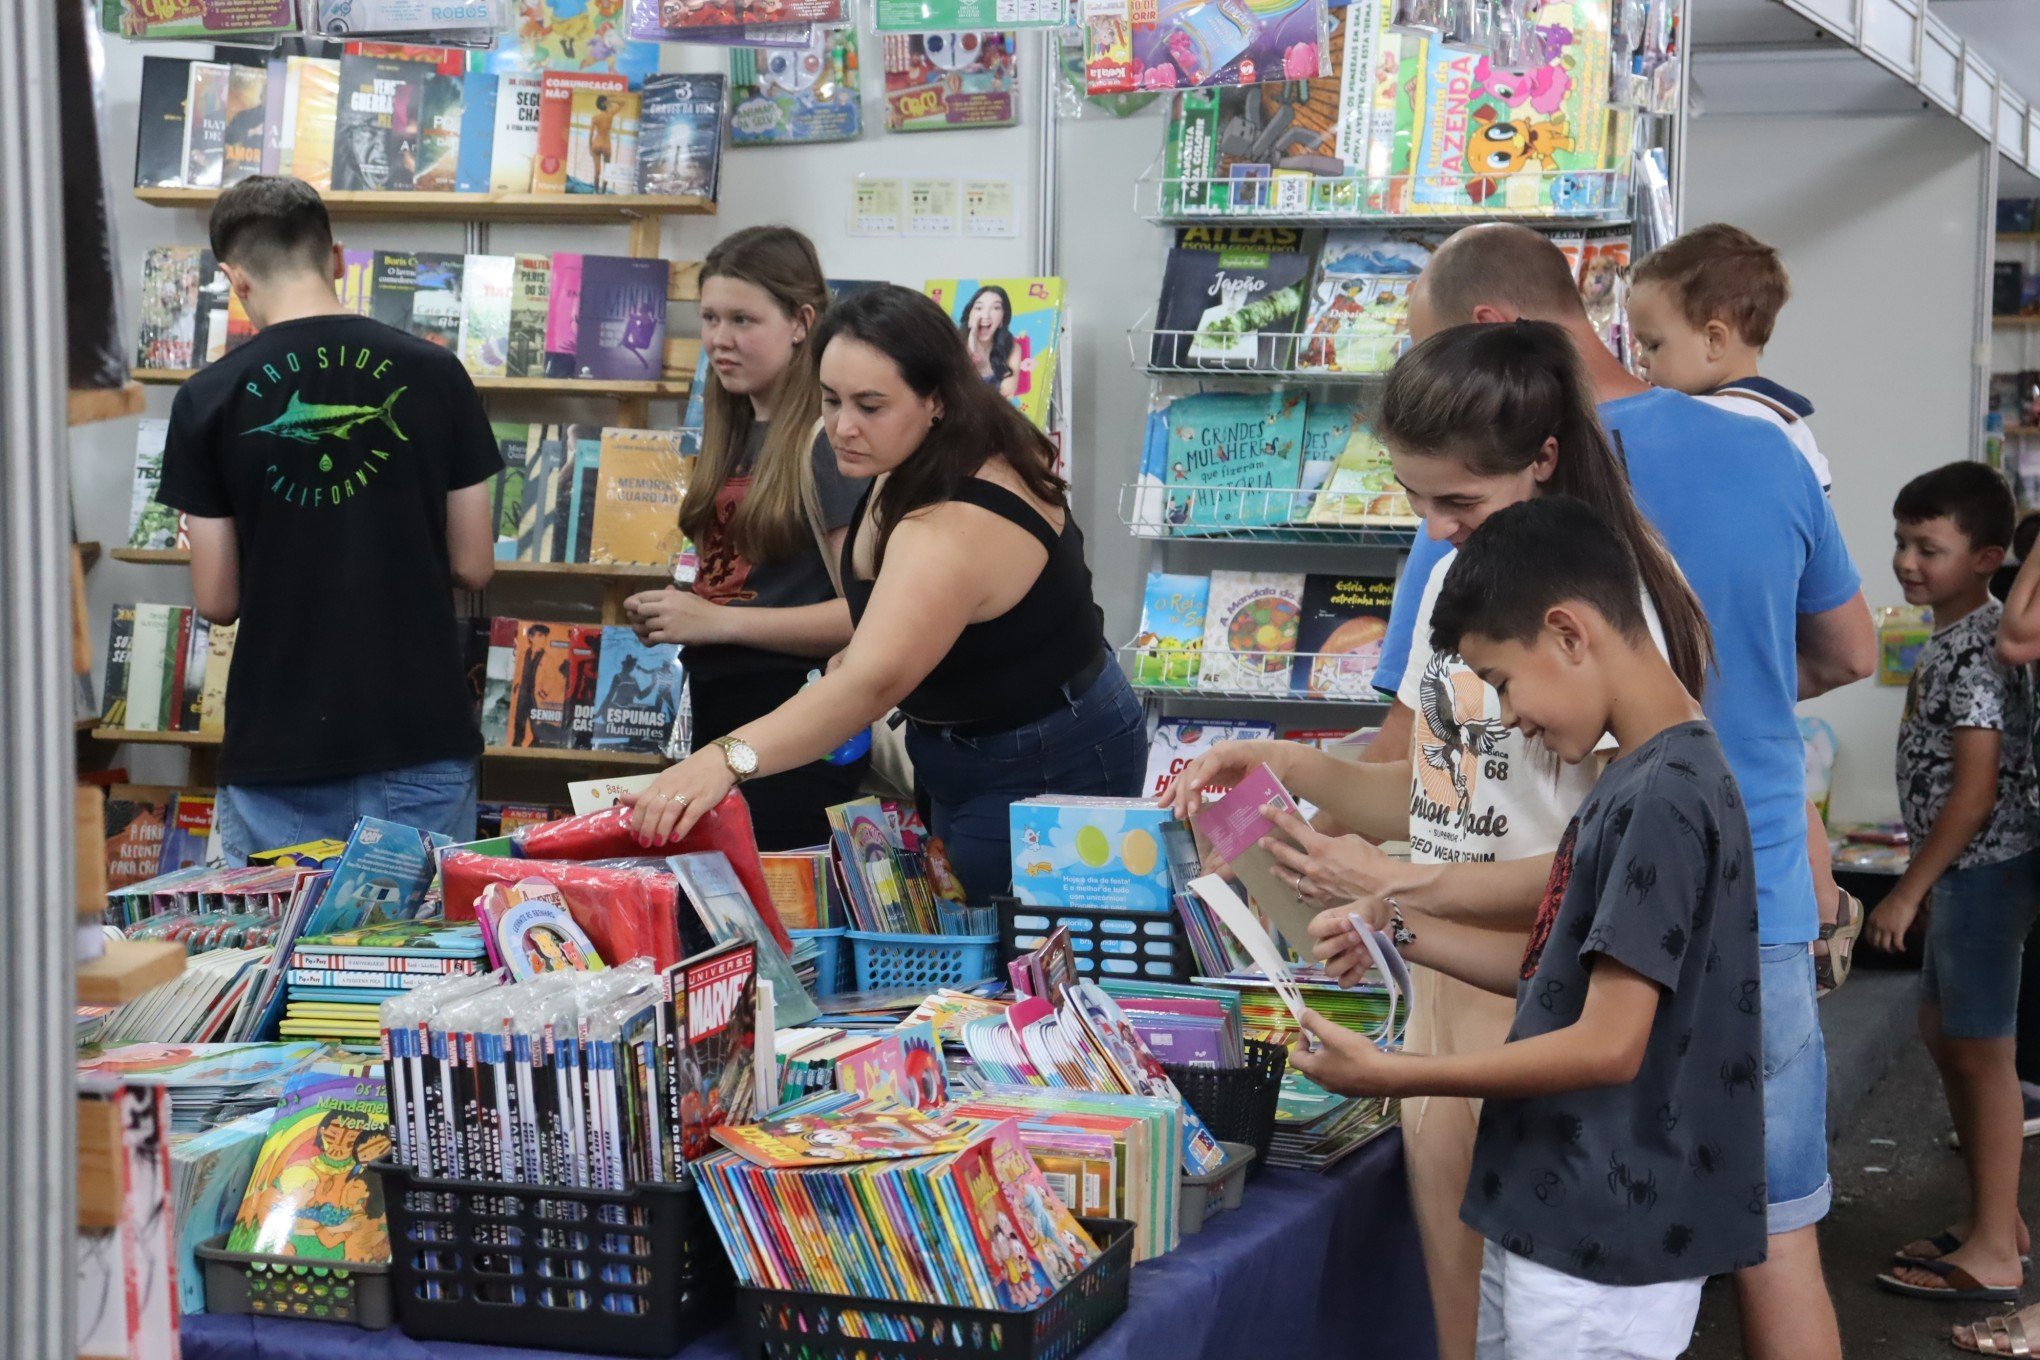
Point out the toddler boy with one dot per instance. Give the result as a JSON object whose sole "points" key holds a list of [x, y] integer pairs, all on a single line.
{"points": [[1620, 1157], [1965, 786]]}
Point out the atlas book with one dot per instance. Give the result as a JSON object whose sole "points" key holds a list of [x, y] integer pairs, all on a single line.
{"points": [[513, 150], [1341, 624], [1250, 631], [620, 329], [1171, 638], [602, 137], [637, 694], [1234, 460], [1232, 297], [487, 283], [786, 96], [937, 82], [679, 146]]}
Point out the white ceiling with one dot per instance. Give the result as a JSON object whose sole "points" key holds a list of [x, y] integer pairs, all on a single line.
{"points": [[2006, 33]]}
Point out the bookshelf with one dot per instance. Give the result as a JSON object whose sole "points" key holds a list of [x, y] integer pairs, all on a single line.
{"points": [[664, 389], [208, 740], [433, 207], [644, 573], [89, 406]]}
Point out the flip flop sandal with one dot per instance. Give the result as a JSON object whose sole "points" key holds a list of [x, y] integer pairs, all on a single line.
{"points": [[1995, 1336], [1944, 1244], [1834, 953], [1960, 1286]]}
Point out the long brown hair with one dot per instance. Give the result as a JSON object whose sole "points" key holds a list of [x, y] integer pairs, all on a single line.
{"points": [[1490, 395], [977, 423], [774, 521]]}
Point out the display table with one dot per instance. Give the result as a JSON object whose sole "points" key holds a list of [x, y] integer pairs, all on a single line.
{"points": [[1308, 1266]]}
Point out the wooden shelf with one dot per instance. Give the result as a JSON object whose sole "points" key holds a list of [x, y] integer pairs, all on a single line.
{"points": [[126, 970], [2021, 237], [88, 555], [592, 571], [152, 556], [666, 389], [646, 758], [472, 207], [99, 1179], [2022, 429], [2015, 322], [129, 734], [89, 406]]}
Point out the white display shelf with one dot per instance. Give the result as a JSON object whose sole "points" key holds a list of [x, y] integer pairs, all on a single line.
{"points": [[1279, 664], [1162, 351], [1158, 512], [1578, 197]]}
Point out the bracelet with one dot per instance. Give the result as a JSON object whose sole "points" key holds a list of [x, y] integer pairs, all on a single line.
{"points": [[1400, 935]]}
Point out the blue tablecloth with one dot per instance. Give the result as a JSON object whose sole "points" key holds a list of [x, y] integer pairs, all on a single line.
{"points": [[1308, 1266]]}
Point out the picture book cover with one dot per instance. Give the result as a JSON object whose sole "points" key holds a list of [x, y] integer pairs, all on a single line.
{"points": [[394, 291], [159, 138], [311, 1195], [939, 82], [1328, 427], [620, 331], [531, 930], [167, 325], [563, 315], [584, 665], [513, 148], [1182, 43], [573, 35], [602, 141], [137, 822], [379, 882], [837, 1139], [441, 118], [1178, 741], [1232, 297], [1359, 311], [1171, 636], [375, 132], [1340, 628], [247, 96], [637, 692], [638, 489], [679, 145], [435, 307], [1250, 631], [555, 117], [1234, 460], [782, 96], [1361, 488], [1018, 1279], [487, 283], [1013, 330], [151, 524], [539, 686], [530, 294], [317, 117], [500, 668], [477, 132], [205, 124], [715, 1042]]}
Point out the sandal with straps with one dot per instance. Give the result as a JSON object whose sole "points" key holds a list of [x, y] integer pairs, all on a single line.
{"points": [[2001, 1335], [1834, 952]]}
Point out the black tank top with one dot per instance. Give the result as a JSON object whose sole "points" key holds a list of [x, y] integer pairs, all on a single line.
{"points": [[1006, 670]]}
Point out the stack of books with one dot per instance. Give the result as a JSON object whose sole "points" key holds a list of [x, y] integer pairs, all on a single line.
{"points": [[209, 1083], [337, 981], [1315, 1129], [888, 878], [592, 494], [1316, 636], [166, 670]]}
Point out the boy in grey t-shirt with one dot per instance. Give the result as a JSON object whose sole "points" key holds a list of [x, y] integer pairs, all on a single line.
{"points": [[1620, 1158]]}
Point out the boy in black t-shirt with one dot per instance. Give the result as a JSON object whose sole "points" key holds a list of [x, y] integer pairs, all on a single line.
{"points": [[334, 473], [1620, 1158]]}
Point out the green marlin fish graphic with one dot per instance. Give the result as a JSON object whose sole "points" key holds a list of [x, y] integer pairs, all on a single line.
{"points": [[309, 422]]}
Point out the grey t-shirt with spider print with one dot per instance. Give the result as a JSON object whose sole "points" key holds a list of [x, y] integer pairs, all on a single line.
{"points": [[1662, 1178]]}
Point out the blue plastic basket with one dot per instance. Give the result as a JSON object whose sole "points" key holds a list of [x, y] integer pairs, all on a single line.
{"points": [[888, 961], [829, 978]]}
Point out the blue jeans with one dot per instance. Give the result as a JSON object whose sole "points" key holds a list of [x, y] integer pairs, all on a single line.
{"points": [[1795, 1091], [1977, 925], [436, 796], [1096, 744]]}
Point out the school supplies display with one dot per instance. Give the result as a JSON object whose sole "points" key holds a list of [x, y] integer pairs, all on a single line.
{"points": [[951, 80], [786, 96]]}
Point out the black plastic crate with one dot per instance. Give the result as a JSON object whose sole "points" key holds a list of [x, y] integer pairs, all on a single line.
{"points": [[246, 1282], [636, 1272], [1123, 946], [787, 1324], [1237, 1103]]}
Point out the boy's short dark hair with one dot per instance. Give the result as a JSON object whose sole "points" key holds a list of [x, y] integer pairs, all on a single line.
{"points": [[1529, 557], [2025, 534], [1721, 273], [271, 224], [1972, 495]]}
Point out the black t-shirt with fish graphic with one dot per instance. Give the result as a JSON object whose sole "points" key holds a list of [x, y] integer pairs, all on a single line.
{"points": [[1661, 1178], [332, 443]]}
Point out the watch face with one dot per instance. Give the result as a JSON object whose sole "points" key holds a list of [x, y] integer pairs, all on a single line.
{"points": [[743, 759]]}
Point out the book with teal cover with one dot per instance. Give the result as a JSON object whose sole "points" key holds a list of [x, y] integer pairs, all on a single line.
{"points": [[1171, 638], [1248, 444]]}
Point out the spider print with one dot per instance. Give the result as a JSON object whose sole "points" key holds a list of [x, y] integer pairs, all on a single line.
{"points": [[1519, 1243], [1730, 793], [1550, 1190], [1759, 1201], [1685, 769], [1677, 1238], [1639, 876], [1553, 990], [1713, 955], [1674, 941], [1686, 1039], [1582, 924], [1588, 1255], [1705, 1159], [1749, 995], [1619, 821], [1740, 1072], [1668, 1116], [1731, 871], [1685, 824]]}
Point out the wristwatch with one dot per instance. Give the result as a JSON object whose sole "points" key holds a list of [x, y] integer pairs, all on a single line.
{"points": [[738, 755], [1400, 935]]}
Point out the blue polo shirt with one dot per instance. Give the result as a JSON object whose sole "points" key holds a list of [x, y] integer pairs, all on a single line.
{"points": [[1747, 522]]}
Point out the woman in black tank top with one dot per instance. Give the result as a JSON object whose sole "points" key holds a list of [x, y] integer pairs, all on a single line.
{"points": [[972, 601]]}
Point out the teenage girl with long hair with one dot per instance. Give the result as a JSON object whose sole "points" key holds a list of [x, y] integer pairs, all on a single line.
{"points": [[965, 572], [765, 501], [1476, 418]]}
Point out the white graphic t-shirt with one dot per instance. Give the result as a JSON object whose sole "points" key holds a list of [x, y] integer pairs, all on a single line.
{"points": [[1480, 791]]}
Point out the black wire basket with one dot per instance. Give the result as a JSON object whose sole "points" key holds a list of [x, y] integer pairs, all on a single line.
{"points": [[1237, 1103]]}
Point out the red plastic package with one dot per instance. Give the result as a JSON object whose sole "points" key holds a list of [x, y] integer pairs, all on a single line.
{"points": [[626, 913], [608, 835]]}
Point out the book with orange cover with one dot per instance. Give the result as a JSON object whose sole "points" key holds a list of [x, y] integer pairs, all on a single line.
{"points": [[832, 1140]]}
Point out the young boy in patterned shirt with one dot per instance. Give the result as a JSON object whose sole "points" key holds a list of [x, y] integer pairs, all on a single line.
{"points": [[1965, 789], [1620, 1157]]}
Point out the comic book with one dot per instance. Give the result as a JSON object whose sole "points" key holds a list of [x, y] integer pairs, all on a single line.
{"points": [[538, 686], [311, 1194], [832, 1140], [711, 1044]]}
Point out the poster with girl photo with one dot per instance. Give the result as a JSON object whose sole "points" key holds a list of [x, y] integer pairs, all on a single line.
{"points": [[1013, 329]]}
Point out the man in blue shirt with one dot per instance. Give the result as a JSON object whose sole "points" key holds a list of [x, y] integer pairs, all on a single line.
{"points": [[1747, 522]]}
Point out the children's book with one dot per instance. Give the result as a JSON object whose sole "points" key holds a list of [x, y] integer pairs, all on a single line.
{"points": [[1178, 741], [539, 689], [1328, 427], [638, 489], [937, 82], [555, 117], [1234, 460], [513, 149], [435, 307], [205, 124], [1013, 330], [1171, 637], [441, 118], [637, 693], [620, 332], [379, 879], [1181, 43], [679, 143], [1340, 629], [530, 295], [563, 315], [209, 1175], [530, 930], [1250, 631], [602, 142], [311, 1194], [1232, 297], [1359, 312], [1361, 488], [151, 524], [781, 96], [247, 95], [833, 1140], [477, 137], [487, 283]]}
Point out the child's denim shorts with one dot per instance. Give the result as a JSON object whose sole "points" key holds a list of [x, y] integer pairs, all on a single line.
{"points": [[1977, 922]]}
